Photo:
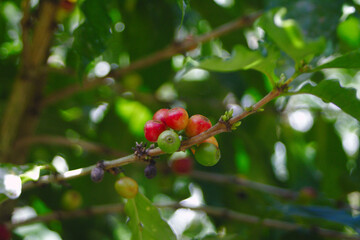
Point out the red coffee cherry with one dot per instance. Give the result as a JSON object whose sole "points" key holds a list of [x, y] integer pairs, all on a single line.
{"points": [[153, 129], [160, 115], [177, 118], [182, 166], [126, 187], [196, 125]]}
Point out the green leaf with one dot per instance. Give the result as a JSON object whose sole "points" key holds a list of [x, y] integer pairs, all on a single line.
{"points": [[32, 174], [332, 91], [349, 32], [134, 113], [182, 4], [349, 60], [243, 58], [3, 197], [13, 176], [332, 164], [28, 172], [145, 220], [227, 237], [90, 38], [288, 36]]}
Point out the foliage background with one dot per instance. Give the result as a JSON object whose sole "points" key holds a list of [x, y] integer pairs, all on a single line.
{"points": [[297, 142]]}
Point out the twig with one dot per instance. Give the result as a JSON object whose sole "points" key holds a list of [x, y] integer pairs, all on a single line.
{"points": [[166, 53], [219, 127], [277, 191], [80, 172], [59, 140], [25, 23], [228, 179], [213, 211]]}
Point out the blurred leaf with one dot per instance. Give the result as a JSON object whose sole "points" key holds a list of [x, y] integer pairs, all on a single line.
{"points": [[227, 237], [3, 197], [32, 174], [90, 37], [134, 113], [301, 234], [349, 32], [183, 5], [334, 215], [13, 176], [40, 207], [330, 159], [332, 91], [145, 220], [288, 36], [36, 231], [299, 165], [243, 58], [349, 60], [71, 114], [242, 159], [194, 228], [10, 185]]}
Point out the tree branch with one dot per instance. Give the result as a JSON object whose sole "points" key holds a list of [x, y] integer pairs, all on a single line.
{"points": [[277, 191], [213, 211], [63, 215], [25, 23], [59, 140], [21, 113], [216, 129], [166, 53], [228, 179], [80, 172]]}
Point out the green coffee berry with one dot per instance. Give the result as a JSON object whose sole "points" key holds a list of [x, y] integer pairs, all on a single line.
{"points": [[169, 141], [207, 154]]}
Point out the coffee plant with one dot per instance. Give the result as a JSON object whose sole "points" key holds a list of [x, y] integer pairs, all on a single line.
{"points": [[161, 120]]}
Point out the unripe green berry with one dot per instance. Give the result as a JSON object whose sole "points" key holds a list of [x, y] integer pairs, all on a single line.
{"points": [[207, 154], [71, 200], [126, 187], [169, 141]]}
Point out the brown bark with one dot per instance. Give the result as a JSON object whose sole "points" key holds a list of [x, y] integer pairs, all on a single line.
{"points": [[21, 113]]}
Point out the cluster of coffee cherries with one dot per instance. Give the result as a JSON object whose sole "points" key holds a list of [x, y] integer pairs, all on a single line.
{"points": [[168, 124]]}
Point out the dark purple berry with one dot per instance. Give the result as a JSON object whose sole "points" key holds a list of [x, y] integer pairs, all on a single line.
{"points": [[150, 170], [97, 174]]}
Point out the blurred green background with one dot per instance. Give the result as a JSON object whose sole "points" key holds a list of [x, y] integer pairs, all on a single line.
{"points": [[296, 142]]}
